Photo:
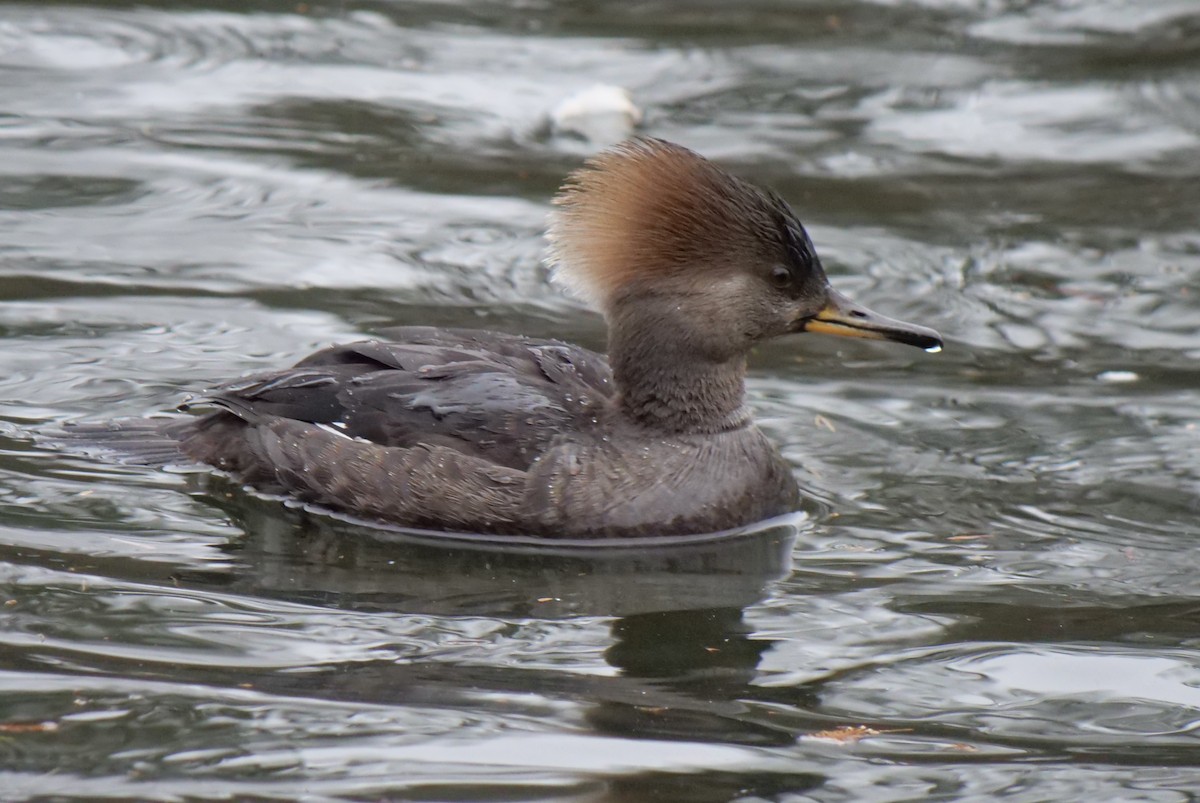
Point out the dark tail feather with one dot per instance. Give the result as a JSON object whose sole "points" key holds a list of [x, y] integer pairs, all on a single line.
{"points": [[143, 441]]}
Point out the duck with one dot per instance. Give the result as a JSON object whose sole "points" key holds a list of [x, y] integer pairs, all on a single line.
{"points": [[472, 431]]}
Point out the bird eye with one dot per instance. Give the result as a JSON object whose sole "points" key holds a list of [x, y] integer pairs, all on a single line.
{"points": [[781, 277]]}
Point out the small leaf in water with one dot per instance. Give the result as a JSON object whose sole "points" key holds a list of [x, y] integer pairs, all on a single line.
{"points": [[28, 727], [852, 733]]}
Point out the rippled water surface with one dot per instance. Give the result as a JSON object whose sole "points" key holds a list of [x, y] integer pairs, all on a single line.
{"points": [[994, 593]]}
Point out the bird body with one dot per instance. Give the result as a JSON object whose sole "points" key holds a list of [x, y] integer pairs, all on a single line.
{"points": [[480, 432]]}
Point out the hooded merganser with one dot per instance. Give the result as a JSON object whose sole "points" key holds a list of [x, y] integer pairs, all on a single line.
{"points": [[477, 431]]}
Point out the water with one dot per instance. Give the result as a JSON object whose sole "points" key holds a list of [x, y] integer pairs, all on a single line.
{"points": [[994, 591]]}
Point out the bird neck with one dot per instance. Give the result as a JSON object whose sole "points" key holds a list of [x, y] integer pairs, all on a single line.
{"points": [[666, 380]]}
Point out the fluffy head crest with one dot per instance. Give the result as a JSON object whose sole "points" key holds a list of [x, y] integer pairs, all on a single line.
{"points": [[648, 208]]}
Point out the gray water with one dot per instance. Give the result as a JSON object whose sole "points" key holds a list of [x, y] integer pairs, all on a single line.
{"points": [[993, 590]]}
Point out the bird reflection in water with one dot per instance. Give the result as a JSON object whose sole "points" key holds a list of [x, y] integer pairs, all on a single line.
{"points": [[686, 657]]}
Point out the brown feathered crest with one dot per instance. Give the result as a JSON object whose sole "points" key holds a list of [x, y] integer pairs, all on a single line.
{"points": [[648, 207]]}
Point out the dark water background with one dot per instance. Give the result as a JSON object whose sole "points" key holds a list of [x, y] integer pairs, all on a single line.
{"points": [[999, 578]]}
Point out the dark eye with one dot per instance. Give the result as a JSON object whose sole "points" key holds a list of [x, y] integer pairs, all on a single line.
{"points": [[781, 277]]}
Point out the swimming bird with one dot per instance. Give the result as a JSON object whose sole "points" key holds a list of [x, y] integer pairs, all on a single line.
{"points": [[483, 432]]}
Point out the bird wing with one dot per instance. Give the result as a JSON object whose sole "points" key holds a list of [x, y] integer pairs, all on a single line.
{"points": [[500, 398]]}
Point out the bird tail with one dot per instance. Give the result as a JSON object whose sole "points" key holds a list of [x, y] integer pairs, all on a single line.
{"points": [[141, 441]]}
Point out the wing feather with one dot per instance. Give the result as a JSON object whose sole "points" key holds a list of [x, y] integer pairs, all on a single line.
{"points": [[500, 398]]}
